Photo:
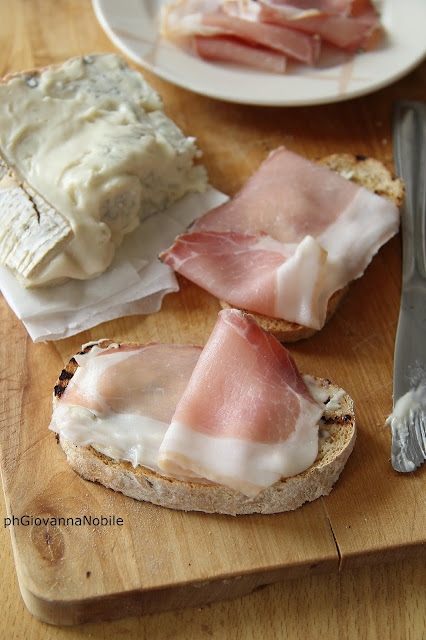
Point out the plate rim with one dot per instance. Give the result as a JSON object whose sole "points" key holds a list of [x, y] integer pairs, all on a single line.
{"points": [[259, 99]]}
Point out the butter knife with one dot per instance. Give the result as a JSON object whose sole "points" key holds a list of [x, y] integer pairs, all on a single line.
{"points": [[408, 420]]}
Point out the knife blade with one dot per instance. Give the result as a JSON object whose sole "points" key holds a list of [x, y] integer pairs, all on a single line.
{"points": [[409, 139]]}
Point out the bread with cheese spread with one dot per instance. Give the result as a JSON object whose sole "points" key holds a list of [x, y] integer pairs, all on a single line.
{"points": [[87, 152], [337, 434], [367, 172]]}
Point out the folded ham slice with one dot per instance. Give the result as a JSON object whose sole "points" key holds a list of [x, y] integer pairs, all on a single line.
{"points": [[256, 272], [295, 233], [246, 418]]}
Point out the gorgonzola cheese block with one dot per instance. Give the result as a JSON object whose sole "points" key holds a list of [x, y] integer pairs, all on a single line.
{"points": [[90, 140]]}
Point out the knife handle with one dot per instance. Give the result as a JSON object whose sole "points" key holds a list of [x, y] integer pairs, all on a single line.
{"points": [[409, 139]]}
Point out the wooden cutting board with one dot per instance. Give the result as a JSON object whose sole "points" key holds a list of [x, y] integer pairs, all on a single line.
{"points": [[158, 559]]}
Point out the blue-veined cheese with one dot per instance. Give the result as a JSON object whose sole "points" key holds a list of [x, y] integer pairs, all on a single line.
{"points": [[90, 137]]}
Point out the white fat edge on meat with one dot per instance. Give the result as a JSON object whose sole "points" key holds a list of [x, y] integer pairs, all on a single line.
{"points": [[321, 266], [244, 9], [242, 465], [95, 349], [366, 224], [290, 12], [133, 438], [139, 439], [181, 19], [246, 466], [299, 285]]}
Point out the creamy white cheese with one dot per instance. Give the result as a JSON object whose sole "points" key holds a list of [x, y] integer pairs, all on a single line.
{"points": [[91, 138], [405, 408], [328, 397]]}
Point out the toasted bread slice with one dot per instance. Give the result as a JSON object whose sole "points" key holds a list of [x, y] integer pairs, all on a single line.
{"points": [[337, 436], [367, 172]]}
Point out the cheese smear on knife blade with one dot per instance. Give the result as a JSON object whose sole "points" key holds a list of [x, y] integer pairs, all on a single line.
{"points": [[91, 140]]}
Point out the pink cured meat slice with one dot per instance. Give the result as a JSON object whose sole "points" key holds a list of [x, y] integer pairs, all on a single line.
{"points": [[290, 197], [234, 20], [228, 49], [121, 400], [135, 380], [293, 202], [247, 266], [252, 271], [329, 7], [348, 32], [246, 418], [293, 44], [287, 198]]}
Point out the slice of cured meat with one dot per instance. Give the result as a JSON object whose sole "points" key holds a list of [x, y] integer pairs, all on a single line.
{"points": [[121, 399], [246, 418], [336, 225], [293, 44], [328, 7], [358, 30], [232, 31], [228, 49], [256, 272]]}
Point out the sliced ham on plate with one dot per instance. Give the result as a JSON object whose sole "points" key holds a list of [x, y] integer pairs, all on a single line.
{"points": [[246, 418], [264, 34], [291, 217], [228, 49], [289, 42], [232, 32], [293, 44], [350, 28]]}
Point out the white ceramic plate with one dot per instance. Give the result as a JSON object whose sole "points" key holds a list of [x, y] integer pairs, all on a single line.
{"points": [[132, 25]]}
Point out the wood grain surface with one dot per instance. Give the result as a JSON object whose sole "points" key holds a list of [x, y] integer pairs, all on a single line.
{"points": [[327, 560]]}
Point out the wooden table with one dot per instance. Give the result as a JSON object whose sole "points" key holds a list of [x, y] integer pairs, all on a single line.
{"points": [[386, 597]]}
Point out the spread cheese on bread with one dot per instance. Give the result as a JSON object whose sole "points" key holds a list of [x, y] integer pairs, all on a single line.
{"points": [[91, 153], [230, 428], [292, 238]]}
